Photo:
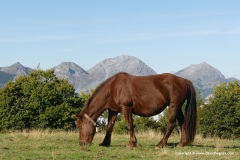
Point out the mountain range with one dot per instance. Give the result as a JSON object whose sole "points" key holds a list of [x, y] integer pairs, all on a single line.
{"points": [[85, 80], [203, 75]]}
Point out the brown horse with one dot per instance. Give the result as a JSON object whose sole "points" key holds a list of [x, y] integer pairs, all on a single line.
{"points": [[143, 96]]}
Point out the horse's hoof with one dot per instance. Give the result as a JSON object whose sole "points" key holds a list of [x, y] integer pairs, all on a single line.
{"points": [[181, 144], [132, 144], [156, 148], [159, 146]]}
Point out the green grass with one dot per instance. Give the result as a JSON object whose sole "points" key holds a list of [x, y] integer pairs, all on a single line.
{"points": [[43, 145]]}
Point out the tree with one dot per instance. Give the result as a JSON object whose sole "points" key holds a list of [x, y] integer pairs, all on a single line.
{"points": [[39, 100], [120, 125], [221, 116], [163, 121], [145, 123]]}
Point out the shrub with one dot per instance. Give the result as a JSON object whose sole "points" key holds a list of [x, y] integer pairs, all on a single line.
{"points": [[39, 100], [221, 116]]}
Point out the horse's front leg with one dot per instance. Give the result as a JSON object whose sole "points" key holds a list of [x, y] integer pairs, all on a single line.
{"points": [[127, 112], [111, 121]]}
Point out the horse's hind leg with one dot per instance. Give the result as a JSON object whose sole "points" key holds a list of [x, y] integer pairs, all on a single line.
{"points": [[171, 125], [180, 118], [127, 112], [111, 121]]}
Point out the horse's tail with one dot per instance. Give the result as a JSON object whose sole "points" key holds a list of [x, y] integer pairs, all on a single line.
{"points": [[191, 114]]}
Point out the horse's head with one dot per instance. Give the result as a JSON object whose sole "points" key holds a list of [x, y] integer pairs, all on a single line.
{"points": [[87, 130]]}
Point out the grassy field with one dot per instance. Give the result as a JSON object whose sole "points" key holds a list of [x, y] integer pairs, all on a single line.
{"points": [[43, 145]]}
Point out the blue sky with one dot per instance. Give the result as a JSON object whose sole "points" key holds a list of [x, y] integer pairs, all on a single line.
{"points": [[166, 35]]}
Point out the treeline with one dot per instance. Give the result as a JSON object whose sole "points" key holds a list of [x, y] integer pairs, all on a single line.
{"points": [[41, 100]]}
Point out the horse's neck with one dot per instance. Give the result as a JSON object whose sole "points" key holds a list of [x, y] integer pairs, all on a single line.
{"points": [[97, 104], [95, 109]]}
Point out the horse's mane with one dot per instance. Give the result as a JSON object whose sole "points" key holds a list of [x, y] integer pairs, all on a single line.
{"points": [[99, 88]]}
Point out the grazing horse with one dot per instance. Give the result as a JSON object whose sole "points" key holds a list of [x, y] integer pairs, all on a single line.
{"points": [[143, 96]]}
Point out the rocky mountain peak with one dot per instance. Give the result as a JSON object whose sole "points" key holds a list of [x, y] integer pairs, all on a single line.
{"points": [[72, 72], [111, 66], [17, 69], [69, 68], [202, 71], [203, 75], [124, 63]]}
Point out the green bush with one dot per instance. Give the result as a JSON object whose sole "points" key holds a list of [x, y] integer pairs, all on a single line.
{"points": [[221, 116], [39, 100], [120, 125]]}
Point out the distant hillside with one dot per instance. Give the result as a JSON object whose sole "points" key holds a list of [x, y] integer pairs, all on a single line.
{"points": [[204, 77], [11, 72], [5, 77], [111, 66], [86, 80], [17, 69], [75, 74]]}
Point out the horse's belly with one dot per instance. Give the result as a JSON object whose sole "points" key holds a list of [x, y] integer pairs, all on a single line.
{"points": [[150, 104], [147, 111]]}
